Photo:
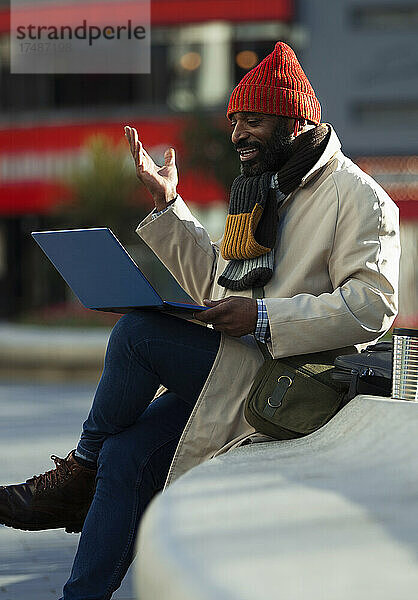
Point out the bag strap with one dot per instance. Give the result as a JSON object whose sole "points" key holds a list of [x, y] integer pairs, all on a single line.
{"points": [[258, 292]]}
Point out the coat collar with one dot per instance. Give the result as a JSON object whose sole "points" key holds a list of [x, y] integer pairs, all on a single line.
{"points": [[333, 146]]}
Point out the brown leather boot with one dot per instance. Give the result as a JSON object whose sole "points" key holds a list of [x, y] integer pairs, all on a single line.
{"points": [[60, 497]]}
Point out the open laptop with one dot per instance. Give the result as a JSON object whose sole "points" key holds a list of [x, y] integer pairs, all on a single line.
{"points": [[102, 274]]}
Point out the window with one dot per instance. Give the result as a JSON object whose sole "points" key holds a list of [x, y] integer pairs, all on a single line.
{"points": [[398, 17], [377, 114]]}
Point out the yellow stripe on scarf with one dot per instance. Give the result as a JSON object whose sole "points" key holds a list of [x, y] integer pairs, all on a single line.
{"points": [[239, 242]]}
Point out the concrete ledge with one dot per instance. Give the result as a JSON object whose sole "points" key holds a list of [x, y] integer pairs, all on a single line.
{"points": [[57, 353], [333, 516]]}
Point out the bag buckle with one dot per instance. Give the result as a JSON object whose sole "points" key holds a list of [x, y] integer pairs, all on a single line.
{"points": [[283, 384]]}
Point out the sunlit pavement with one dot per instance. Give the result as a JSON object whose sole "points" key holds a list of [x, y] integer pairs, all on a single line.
{"points": [[38, 420]]}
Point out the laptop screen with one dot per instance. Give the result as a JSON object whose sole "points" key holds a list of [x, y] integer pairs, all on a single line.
{"points": [[97, 268]]}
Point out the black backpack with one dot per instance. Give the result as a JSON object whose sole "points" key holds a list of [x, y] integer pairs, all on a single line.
{"points": [[368, 372]]}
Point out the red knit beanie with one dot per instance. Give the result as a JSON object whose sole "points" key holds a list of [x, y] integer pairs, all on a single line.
{"points": [[277, 86]]}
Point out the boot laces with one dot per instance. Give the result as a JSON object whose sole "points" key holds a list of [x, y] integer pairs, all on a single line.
{"points": [[52, 478]]}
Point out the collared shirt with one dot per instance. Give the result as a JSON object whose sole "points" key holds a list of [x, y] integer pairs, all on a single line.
{"points": [[262, 329]]}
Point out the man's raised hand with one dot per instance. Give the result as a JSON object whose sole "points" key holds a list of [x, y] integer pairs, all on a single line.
{"points": [[161, 182]]}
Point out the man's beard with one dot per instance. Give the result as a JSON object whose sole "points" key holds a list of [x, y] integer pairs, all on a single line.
{"points": [[272, 155]]}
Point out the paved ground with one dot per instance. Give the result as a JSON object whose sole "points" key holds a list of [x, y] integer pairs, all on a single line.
{"points": [[38, 420]]}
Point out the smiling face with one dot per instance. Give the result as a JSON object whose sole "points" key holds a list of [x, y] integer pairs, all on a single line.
{"points": [[264, 142]]}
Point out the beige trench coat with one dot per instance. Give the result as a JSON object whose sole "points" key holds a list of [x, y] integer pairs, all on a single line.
{"points": [[334, 285]]}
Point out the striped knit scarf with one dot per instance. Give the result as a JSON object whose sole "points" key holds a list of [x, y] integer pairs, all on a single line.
{"points": [[251, 225]]}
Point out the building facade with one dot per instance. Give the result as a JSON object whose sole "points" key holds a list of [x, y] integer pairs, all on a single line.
{"points": [[360, 57]]}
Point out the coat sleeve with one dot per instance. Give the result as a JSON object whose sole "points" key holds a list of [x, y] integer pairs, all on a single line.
{"points": [[363, 269], [184, 247]]}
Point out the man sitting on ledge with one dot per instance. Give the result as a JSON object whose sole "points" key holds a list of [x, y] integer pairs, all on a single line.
{"points": [[307, 227]]}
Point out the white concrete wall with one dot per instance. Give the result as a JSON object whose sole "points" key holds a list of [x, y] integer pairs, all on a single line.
{"points": [[333, 516]]}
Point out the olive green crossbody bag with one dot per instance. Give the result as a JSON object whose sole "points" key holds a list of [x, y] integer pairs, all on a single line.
{"points": [[293, 396]]}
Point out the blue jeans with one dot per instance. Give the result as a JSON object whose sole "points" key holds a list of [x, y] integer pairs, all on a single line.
{"points": [[135, 439]]}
